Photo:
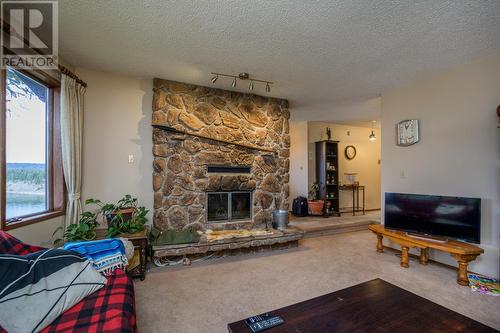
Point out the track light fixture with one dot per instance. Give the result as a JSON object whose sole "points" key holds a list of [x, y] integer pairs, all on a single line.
{"points": [[242, 76]]}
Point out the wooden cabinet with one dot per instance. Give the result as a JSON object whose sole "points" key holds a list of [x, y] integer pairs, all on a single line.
{"points": [[137, 265], [327, 175]]}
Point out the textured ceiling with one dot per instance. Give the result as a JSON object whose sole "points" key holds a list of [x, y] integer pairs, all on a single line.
{"points": [[316, 52]]}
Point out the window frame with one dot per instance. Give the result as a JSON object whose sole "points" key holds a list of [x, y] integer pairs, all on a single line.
{"points": [[56, 188]]}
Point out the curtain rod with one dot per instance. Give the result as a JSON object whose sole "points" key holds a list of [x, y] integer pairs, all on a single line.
{"points": [[72, 75]]}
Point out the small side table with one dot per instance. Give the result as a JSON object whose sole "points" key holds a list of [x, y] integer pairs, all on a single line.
{"points": [[355, 197], [140, 242]]}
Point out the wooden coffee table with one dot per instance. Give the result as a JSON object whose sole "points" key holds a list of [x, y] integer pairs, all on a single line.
{"points": [[373, 306]]}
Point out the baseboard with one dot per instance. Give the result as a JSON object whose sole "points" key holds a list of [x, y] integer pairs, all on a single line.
{"points": [[329, 232], [346, 210], [366, 210]]}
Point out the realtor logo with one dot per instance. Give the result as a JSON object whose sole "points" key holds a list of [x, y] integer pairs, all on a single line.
{"points": [[29, 34]]}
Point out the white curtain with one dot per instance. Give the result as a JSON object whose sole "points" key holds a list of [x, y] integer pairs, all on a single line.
{"points": [[72, 94]]}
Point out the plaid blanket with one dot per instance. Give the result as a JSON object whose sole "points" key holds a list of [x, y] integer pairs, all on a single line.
{"points": [[12, 245], [111, 309]]}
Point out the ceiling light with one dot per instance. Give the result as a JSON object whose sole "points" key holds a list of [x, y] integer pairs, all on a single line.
{"points": [[243, 77], [372, 136]]}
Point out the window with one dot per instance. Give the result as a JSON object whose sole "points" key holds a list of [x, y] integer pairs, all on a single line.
{"points": [[32, 181]]}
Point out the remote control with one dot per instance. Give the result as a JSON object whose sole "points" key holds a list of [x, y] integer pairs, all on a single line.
{"points": [[263, 322]]}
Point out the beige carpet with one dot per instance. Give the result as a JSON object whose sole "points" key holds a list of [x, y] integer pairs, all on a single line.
{"points": [[207, 296]]}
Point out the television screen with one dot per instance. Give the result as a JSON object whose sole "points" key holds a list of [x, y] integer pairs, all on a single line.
{"points": [[452, 217]]}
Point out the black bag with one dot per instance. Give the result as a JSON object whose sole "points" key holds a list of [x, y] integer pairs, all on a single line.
{"points": [[299, 207]]}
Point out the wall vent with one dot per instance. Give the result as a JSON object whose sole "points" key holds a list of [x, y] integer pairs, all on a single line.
{"points": [[229, 169]]}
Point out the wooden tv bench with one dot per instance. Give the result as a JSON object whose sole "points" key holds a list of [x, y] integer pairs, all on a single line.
{"points": [[462, 252]]}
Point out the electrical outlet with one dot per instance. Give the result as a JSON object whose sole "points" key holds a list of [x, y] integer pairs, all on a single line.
{"points": [[130, 159], [402, 174]]}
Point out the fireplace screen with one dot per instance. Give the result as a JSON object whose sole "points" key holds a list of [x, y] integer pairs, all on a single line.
{"points": [[229, 206]]}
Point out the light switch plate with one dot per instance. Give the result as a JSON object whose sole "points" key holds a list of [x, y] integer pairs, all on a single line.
{"points": [[131, 158]]}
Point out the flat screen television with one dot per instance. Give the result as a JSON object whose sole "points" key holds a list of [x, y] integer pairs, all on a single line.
{"points": [[450, 217]]}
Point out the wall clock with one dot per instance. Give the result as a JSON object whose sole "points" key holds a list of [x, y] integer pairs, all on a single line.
{"points": [[407, 132], [350, 152]]}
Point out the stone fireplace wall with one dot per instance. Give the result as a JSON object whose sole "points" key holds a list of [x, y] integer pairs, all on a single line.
{"points": [[180, 177]]}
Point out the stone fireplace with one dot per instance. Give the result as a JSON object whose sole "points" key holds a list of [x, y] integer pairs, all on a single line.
{"points": [[221, 158]]}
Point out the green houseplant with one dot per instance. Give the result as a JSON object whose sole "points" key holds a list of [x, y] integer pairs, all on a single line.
{"points": [[125, 216], [84, 230], [315, 206]]}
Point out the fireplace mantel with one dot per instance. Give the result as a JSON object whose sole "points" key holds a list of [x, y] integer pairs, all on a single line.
{"points": [[173, 130]]}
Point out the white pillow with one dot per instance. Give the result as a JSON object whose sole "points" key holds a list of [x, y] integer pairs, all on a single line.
{"points": [[36, 288]]}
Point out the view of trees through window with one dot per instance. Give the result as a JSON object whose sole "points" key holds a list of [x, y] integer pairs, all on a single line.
{"points": [[25, 145]]}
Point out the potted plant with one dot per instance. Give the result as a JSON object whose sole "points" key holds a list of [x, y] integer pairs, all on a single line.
{"points": [[123, 217], [84, 230], [314, 204]]}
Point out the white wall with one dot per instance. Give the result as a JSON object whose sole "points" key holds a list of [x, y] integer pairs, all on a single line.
{"points": [[355, 110], [39, 233], [117, 123], [365, 164], [298, 159], [459, 151]]}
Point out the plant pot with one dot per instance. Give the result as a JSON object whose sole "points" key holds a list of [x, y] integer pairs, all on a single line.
{"points": [[315, 207], [126, 213]]}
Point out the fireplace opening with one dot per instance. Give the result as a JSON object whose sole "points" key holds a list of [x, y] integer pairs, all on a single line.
{"points": [[229, 206]]}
